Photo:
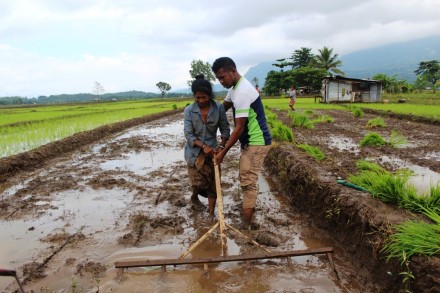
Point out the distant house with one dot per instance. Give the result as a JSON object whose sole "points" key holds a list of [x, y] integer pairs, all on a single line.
{"points": [[344, 89]]}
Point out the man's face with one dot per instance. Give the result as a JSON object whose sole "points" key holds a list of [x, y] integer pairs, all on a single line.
{"points": [[226, 78]]}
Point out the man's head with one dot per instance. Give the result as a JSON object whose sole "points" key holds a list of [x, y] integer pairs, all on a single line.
{"points": [[225, 71]]}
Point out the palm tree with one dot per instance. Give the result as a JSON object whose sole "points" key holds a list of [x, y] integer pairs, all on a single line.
{"points": [[325, 59]]}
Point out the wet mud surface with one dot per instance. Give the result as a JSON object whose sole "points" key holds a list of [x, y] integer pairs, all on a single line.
{"points": [[65, 221]]}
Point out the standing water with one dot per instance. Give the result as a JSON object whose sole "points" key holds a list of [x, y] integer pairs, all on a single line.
{"points": [[129, 200]]}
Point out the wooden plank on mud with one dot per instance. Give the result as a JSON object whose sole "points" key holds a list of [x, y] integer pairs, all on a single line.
{"points": [[277, 254]]}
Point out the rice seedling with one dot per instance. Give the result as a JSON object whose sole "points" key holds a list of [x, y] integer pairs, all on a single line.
{"points": [[363, 165], [25, 135], [396, 139], [312, 151], [281, 132], [323, 118], [372, 139], [417, 203], [376, 122], [394, 187], [271, 118], [301, 120], [357, 112], [389, 188], [414, 238]]}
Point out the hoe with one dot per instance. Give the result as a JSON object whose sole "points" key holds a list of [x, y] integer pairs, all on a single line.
{"points": [[225, 257]]}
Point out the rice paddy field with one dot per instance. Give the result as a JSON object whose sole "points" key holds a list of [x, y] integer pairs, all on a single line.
{"points": [[23, 129], [349, 175]]}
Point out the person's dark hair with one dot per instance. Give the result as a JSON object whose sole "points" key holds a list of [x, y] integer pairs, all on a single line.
{"points": [[202, 85], [223, 62]]}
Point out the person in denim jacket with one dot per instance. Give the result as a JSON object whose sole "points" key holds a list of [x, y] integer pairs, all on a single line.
{"points": [[203, 119]]}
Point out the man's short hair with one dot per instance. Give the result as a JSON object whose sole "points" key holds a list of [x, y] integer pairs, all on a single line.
{"points": [[223, 62]]}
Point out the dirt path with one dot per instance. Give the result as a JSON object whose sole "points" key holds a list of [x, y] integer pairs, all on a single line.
{"points": [[63, 225]]}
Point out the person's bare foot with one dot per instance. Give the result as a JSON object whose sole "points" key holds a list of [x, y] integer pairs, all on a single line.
{"points": [[197, 204]]}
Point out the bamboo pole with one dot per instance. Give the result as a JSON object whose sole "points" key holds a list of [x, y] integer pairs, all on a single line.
{"points": [[199, 241], [221, 218]]}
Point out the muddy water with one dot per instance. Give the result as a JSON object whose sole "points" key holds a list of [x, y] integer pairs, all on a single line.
{"points": [[142, 171], [422, 178]]}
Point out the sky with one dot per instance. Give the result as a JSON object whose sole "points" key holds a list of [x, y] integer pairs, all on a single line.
{"points": [[50, 47]]}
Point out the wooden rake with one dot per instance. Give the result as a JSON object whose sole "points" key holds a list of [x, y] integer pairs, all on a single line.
{"points": [[225, 257]]}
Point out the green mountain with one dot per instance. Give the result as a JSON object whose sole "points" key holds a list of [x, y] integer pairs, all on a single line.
{"points": [[400, 59]]}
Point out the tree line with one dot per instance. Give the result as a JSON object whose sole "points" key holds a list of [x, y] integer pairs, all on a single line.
{"points": [[306, 70]]}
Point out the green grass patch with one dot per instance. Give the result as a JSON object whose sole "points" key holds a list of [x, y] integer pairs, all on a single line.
{"points": [[397, 139], [376, 122], [23, 129], [281, 132], [312, 151], [372, 139], [300, 119], [414, 238], [394, 187], [357, 112], [410, 238], [323, 119], [278, 130]]}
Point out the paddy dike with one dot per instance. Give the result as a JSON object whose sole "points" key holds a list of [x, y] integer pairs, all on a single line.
{"points": [[68, 211]]}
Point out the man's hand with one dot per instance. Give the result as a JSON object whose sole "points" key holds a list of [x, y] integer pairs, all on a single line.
{"points": [[218, 158]]}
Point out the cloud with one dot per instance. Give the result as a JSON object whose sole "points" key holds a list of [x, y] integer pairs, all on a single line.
{"points": [[52, 47]]}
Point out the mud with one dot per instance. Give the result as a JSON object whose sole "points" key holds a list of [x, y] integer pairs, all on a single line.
{"points": [[356, 220], [70, 209]]}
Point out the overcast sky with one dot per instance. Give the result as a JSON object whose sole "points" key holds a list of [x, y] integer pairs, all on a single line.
{"points": [[65, 46]]}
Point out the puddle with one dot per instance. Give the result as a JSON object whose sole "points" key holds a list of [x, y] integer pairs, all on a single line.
{"points": [[93, 209], [104, 213], [423, 178], [342, 144], [433, 156]]}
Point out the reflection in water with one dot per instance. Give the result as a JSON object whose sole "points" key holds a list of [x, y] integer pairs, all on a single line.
{"points": [[422, 178], [103, 210]]}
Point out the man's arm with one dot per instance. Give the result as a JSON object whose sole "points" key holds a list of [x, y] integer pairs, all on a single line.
{"points": [[235, 135], [227, 105]]}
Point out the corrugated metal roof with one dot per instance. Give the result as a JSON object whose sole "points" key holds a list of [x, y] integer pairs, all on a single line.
{"points": [[339, 77]]}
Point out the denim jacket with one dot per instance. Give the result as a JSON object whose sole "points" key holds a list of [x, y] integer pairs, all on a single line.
{"points": [[195, 128]]}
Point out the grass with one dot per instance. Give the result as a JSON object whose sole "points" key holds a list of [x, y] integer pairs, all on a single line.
{"points": [[23, 129], [278, 130], [376, 122], [314, 152], [396, 139], [414, 238], [372, 139], [300, 119], [357, 112], [394, 188], [424, 105], [281, 132]]}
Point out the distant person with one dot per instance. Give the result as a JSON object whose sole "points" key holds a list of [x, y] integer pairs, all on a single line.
{"points": [[257, 88], [250, 128], [353, 96], [202, 120], [292, 95]]}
